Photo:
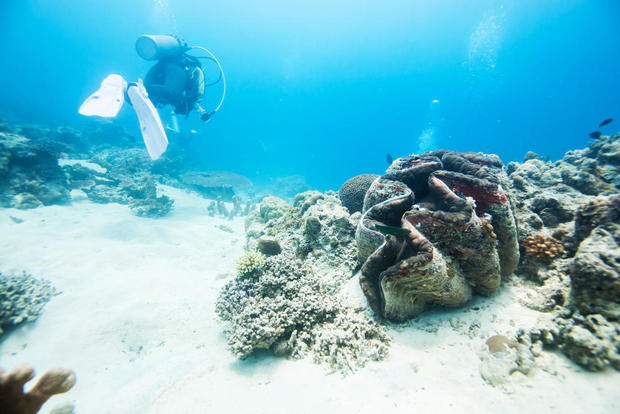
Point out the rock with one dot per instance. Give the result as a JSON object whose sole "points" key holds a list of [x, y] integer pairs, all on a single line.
{"points": [[551, 211], [272, 207], [312, 227], [503, 361], [305, 200], [29, 175], [595, 270], [269, 246], [583, 347], [598, 211], [140, 195], [65, 408]]}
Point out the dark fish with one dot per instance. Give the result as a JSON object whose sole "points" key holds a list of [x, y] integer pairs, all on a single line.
{"points": [[388, 158], [595, 134], [392, 230], [605, 122]]}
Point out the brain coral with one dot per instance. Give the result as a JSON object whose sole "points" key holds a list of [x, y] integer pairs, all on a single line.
{"points": [[450, 232], [353, 190]]}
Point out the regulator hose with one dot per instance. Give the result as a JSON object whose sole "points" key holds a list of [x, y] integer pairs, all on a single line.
{"points": [[222, 77]]}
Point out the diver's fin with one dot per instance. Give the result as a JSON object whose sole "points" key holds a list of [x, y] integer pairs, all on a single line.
{"points": [[173, 125], [150, 124], [108, 99]]}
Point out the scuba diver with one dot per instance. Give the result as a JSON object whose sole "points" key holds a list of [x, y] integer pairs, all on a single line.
{"points": [[177, 79]]}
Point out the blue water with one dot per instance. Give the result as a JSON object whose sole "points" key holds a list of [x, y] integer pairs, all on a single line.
{"points": [[325, 88]]}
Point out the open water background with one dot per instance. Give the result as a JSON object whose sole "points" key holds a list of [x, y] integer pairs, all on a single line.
{"points": [[326, 88]]}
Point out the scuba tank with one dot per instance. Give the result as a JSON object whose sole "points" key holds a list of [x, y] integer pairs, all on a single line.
{"points": [[171, 50], [155, 47]]}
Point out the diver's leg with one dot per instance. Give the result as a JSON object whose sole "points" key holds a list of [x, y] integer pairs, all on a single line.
{"points": [[108, 99], [151, 127]]}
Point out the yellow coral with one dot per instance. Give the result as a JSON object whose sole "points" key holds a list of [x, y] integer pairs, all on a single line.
{"points": [[251, 261], [542, 247]]}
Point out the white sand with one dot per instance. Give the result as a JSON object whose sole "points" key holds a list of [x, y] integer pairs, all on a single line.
{"points": [[136, 322]]}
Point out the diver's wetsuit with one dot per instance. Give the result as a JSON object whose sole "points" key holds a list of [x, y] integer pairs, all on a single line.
{"points": [[173, 81]]}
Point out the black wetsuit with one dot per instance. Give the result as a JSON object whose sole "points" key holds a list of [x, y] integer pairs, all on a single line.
{"points": [[171, 82]]}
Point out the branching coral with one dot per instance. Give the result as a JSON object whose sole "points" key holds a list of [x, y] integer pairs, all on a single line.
{"points": [[290, 311], [21, 298], [251, 261], [541, 247]]}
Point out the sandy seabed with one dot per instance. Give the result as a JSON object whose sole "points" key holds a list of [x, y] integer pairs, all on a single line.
{"points": [[136, 321]]}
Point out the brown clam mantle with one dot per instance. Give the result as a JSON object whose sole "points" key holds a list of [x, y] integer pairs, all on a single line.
{"points": [[458, 238]]}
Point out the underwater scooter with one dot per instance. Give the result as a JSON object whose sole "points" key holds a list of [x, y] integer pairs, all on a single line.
{"points": [[176, 79]]}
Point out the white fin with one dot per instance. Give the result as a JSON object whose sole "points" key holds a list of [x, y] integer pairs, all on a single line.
{"points": [[108, 99], [150, 124]]}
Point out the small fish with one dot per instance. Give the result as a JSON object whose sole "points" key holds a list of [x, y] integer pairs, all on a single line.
{"points": [[388, 158], [392, 230], [595, 134], [605, 122]]}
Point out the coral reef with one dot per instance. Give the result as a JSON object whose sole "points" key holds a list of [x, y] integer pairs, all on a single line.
{"points": [[286, 308], [293, 305], [436, 228], [94, 137], [579, 291], [29, 175], [353, 191], [270, 208], [139, 194], [22, 298], [13, 399]]}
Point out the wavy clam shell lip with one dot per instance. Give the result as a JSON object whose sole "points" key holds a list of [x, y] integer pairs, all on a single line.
{"points": [[461, 233]]}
